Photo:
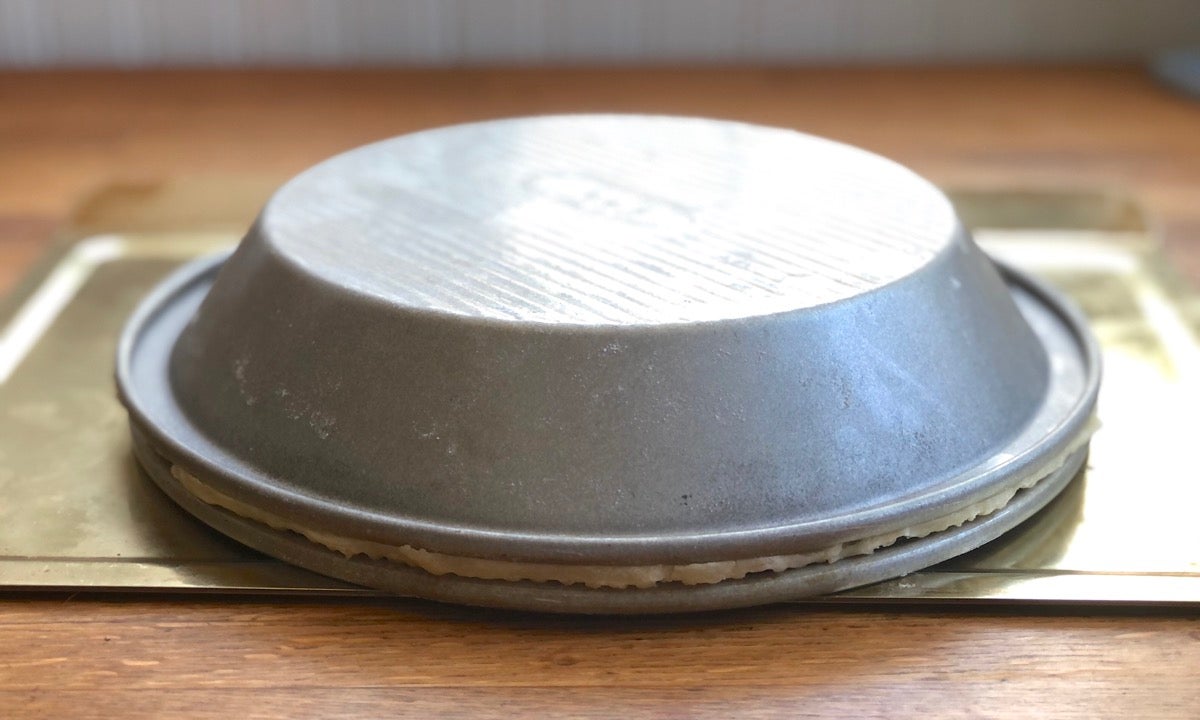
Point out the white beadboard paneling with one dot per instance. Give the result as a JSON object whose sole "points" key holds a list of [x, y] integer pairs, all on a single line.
{"points": [[40, 33]]}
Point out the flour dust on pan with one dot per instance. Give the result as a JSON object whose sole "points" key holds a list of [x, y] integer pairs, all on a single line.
{"points": [[608, 364]]}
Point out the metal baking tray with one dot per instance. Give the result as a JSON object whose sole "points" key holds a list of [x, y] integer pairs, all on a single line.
{"points": [[77, 514]]}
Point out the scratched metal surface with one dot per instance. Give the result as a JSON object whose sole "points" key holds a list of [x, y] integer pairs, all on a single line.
{"points": [[609, 219], [75, 513]]}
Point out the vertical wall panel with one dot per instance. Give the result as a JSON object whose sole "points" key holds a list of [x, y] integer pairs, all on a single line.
{"points": [[456, 32]]}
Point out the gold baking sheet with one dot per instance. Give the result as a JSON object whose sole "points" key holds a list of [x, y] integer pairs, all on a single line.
{"points": [[76, 514]]}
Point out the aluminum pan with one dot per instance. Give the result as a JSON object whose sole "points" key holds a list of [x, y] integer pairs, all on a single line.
{"points": [[980, 407], [143, 373]]}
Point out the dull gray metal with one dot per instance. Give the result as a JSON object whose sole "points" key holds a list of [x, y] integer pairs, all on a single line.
{"points": [[608, 340]]}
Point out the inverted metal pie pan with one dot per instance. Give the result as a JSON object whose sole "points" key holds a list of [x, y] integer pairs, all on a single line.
{"points": [[342, 375]]}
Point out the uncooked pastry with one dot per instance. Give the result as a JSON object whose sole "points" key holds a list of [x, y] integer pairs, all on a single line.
{"points": [[612, 576]]}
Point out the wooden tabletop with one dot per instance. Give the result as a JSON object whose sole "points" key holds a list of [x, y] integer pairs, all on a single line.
{"points": [[65, 134]]}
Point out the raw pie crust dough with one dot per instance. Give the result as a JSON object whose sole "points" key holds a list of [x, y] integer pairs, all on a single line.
{"points": [[614, 576]]}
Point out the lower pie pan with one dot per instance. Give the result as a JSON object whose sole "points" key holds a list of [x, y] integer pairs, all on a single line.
{"points": [[761, 588]]}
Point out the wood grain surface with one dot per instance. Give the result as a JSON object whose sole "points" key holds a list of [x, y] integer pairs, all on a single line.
{"points": [[271, 659], [63, 135]]}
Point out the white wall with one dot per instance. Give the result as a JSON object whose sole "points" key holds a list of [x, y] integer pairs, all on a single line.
{"points": [[457, 32]]}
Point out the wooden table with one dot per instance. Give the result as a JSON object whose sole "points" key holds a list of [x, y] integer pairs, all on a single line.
{"points": [[63, 134]]}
